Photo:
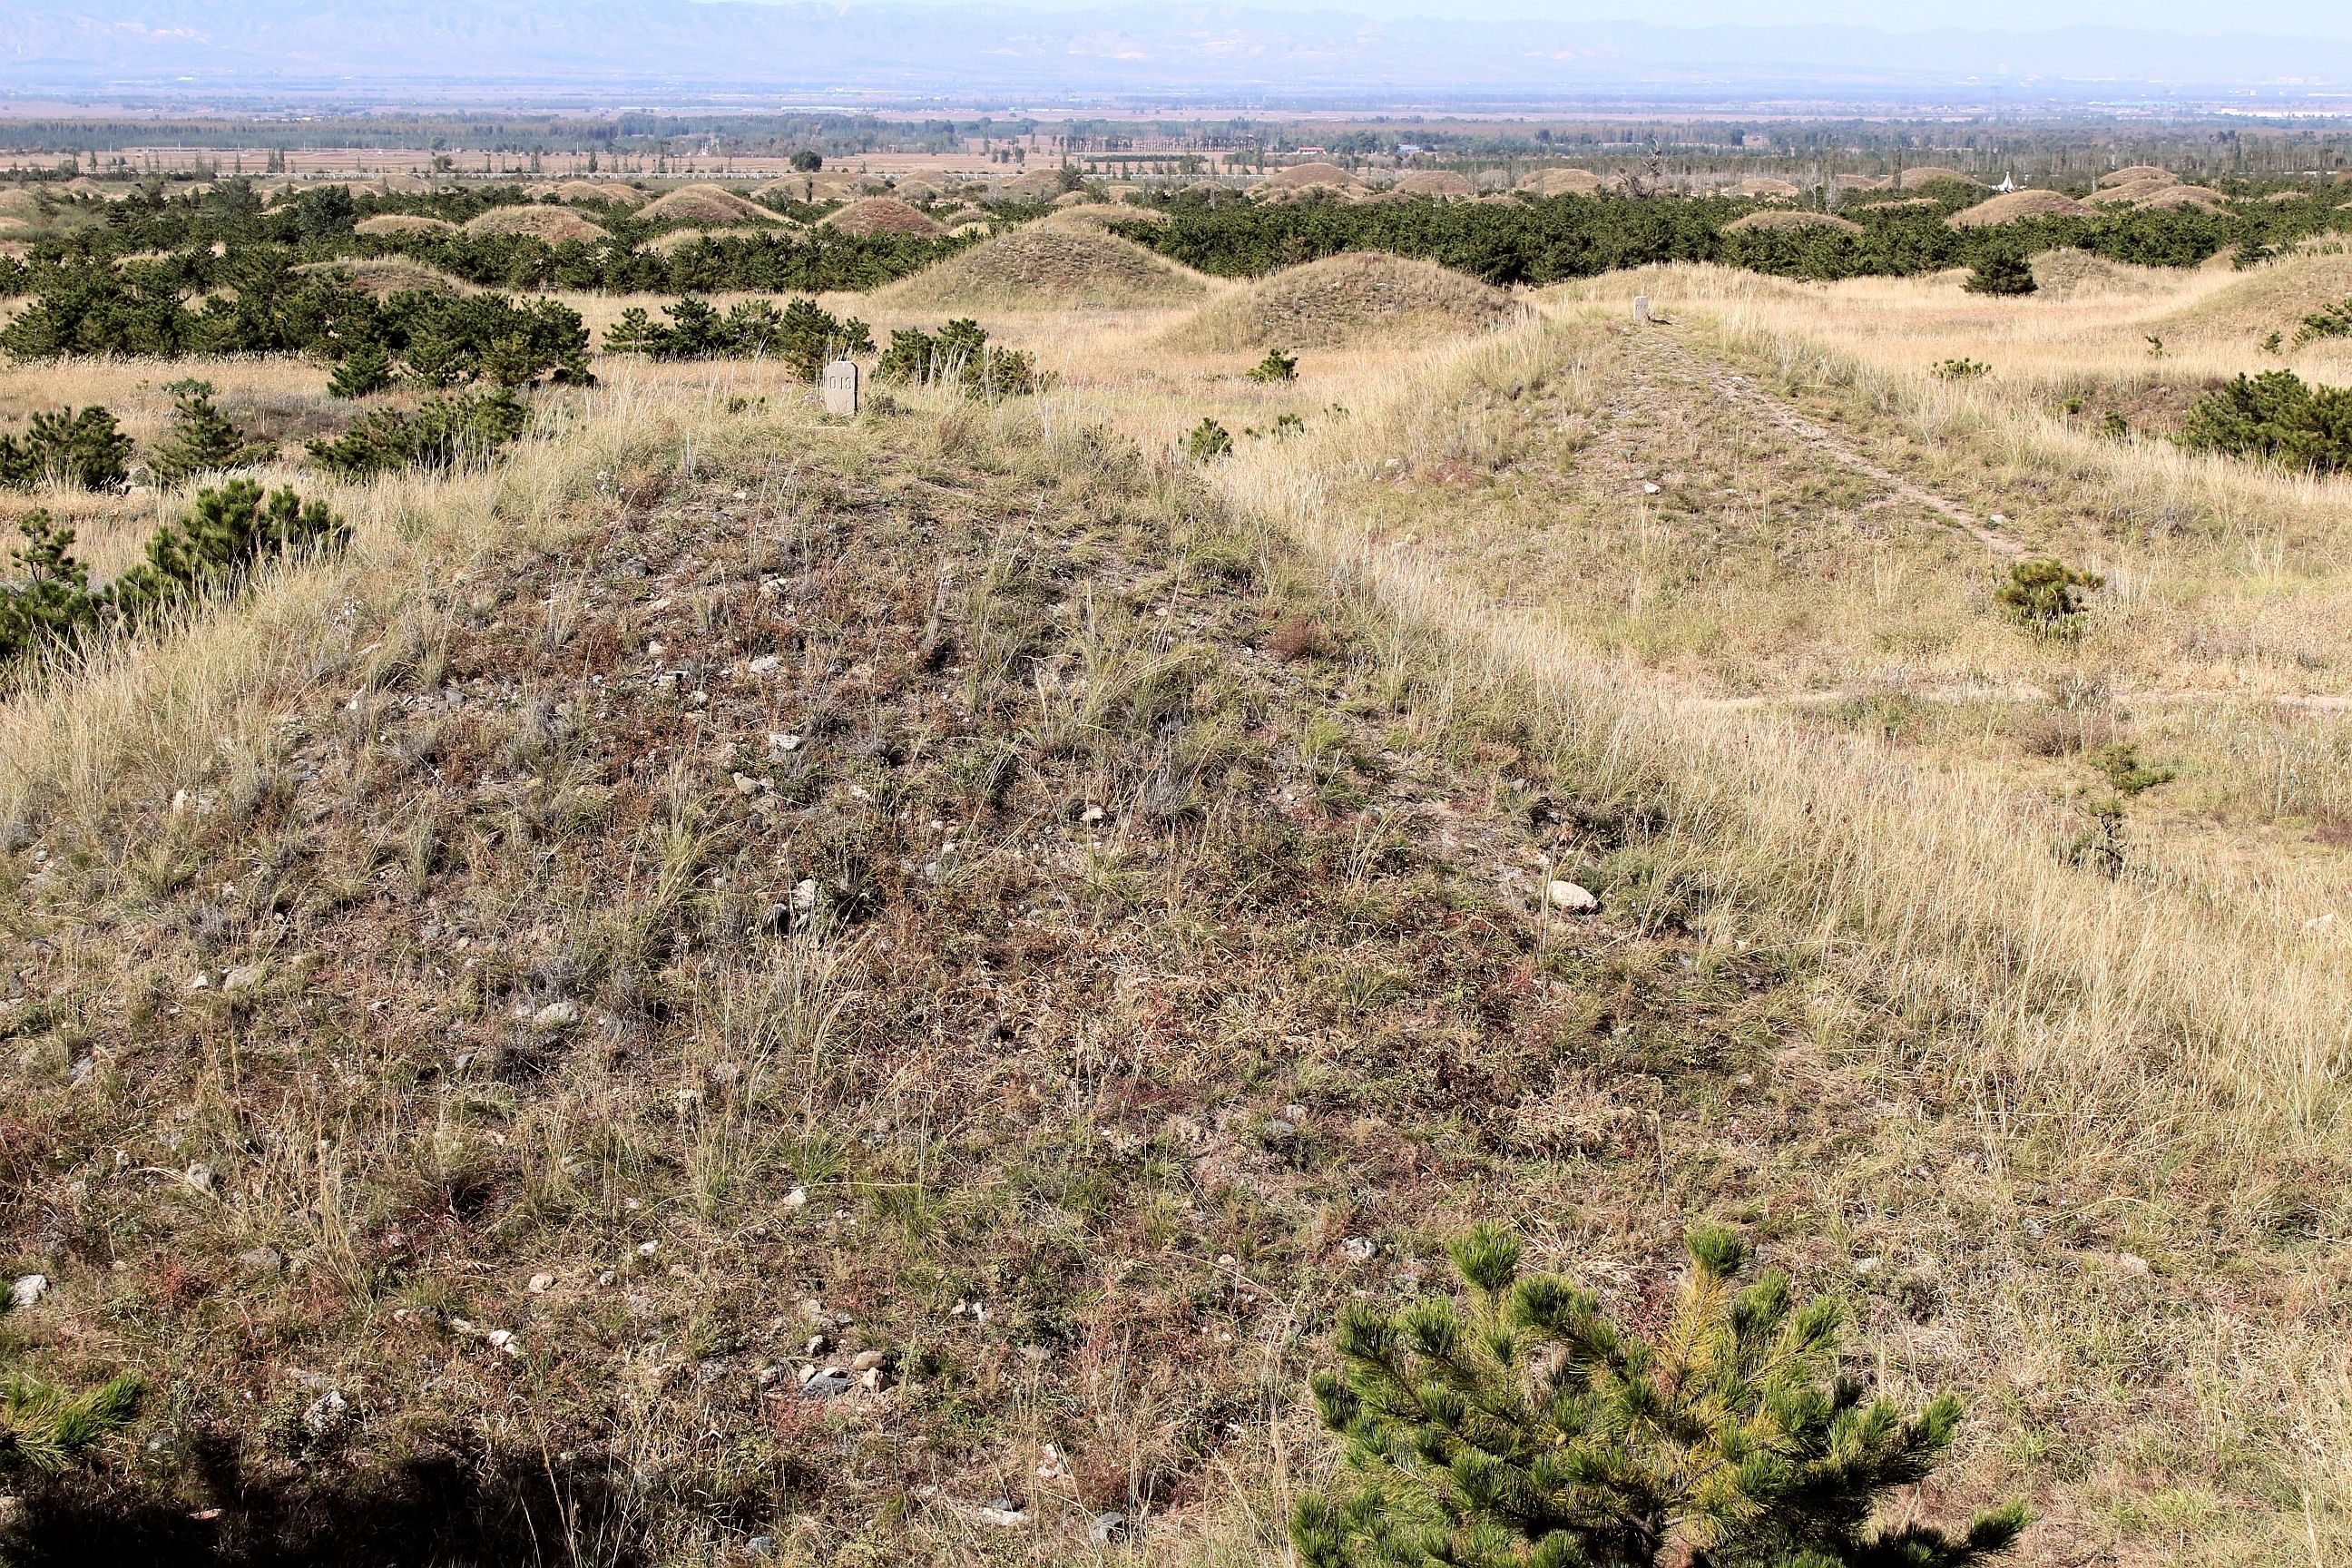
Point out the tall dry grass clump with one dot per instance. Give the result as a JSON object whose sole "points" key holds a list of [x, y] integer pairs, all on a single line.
{"points": [[2181, 1005]]}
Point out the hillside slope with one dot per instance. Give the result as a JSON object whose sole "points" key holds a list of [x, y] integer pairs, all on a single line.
{"points": [[943, 906]]}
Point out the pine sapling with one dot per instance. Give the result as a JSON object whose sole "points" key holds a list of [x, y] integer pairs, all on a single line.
{"points": [[1531, 1431], [201, 440]]}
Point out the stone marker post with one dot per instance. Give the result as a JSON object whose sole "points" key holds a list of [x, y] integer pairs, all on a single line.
{"points": [[1641, 307], [841, 388]]}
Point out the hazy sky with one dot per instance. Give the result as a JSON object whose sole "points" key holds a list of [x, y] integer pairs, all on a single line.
{"points": [[2308, 19]]}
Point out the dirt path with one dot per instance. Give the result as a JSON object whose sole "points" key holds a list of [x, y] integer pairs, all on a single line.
{"points": [[1661, 349]]}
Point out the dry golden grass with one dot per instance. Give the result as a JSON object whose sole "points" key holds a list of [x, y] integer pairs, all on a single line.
{"points": [[1352, 295]]}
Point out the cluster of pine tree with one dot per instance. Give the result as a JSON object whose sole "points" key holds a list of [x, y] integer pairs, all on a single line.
{"points": [[214, 547], [803, 335], [957, 354]]}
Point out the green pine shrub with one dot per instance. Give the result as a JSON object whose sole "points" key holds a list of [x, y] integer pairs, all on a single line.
{"points": [[957, 354], [365, 371], [1531, 1431], [1209, 440], [84, 449], [217, 544], [2328, 322], [201, 440], [49, 600], [1277, 365], [442, 433], [2003, 272], [2045, 596], [2276, 416], [212, 547]]}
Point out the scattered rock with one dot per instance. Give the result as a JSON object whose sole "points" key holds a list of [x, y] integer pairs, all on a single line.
{"points": [[540, 1284], [1000, 1512], [200, 1177], [2131, 1263], [1866, 1267], [1568, 896], [1108, 1529], [825, 1385], [263, 1261], [325, 1413], [746, 785], [760, 1546], [766, 664], [29, 1291], [1361, 1248], [556, 1016], [866, 1361], [797, 1198], [243, 976]]}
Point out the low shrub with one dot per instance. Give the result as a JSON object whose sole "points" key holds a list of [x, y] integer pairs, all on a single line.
{"points": [[957, 354], [440, 434], [2328, 322], [2045, 596], [1532, 1429], [1209, 440], [2277, 417], [1277, 365], [1959, 369], [803, 334], [84, 449]]}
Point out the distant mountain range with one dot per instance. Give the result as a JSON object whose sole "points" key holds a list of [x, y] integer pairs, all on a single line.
{"points": [[969, 55]]}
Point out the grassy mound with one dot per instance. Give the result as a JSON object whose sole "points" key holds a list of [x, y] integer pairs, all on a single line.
{"points": [[2017, 205], [2128, 192], [1562, 182], [1046, 266], [1765, 186], [553, 224], [2069, 274], [2273, 298], [2175, 198], [883, 214], [1436, 183], [404, 223], [1786, 217], [1101, 215], [1345, 299], [387, 275], [2136, 173], [704, 206], [597, 191], [1300, 175], [1929, 174]]}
